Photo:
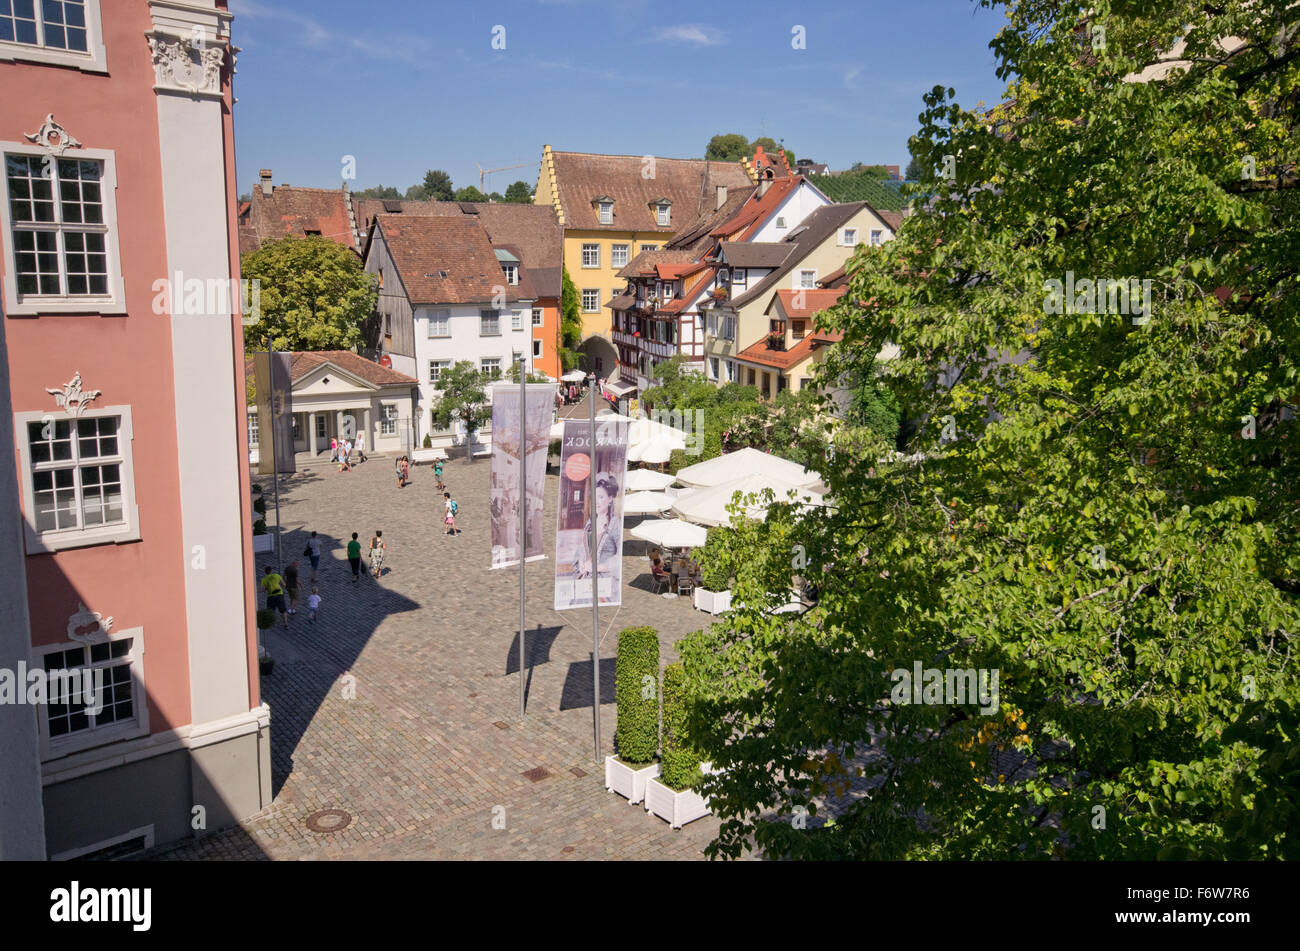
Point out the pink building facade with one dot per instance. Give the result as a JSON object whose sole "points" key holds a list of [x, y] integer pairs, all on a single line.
{"points": [[118, 284]]}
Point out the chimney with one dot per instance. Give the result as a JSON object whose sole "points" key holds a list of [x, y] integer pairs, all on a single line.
{"points": [[764, 184], [267, 187], [720, 199]]}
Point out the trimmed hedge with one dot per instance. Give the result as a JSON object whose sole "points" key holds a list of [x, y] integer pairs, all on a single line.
{"points": [[259, 505], [715, 560], [681, 761], [637, 737], [265, 619]]}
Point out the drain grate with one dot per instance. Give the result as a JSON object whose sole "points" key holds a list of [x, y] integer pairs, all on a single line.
{"points": [[501, 725], [537, 774], [577, 772], [329, 820]]}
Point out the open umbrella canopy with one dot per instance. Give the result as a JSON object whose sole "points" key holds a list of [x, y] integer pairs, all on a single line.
{"points": [[744, 462], [645, 430], [708, 506], [655, 451], [670, 533], [646, 503], [574, 376], [646, 480]]}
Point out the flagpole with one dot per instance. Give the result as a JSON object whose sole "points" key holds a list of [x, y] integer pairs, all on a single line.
{"points": [[275, 462], [595, 574], [523, 520]]}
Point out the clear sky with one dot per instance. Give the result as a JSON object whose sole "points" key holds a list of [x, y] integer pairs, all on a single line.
{"points": [[408, 85]]}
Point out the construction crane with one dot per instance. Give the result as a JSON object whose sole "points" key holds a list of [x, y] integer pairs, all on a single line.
{"points": [[483, 173]]}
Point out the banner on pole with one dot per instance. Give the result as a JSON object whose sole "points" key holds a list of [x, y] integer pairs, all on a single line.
{"points": [[503, 500], [274, 412], [578, 453]]}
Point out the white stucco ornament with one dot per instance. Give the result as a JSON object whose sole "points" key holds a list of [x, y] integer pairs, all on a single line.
{"points": [[71, 397], [52, 137], [183, 65], [84, 618]]}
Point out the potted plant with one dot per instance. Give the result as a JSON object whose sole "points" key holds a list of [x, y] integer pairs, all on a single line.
{"points": [[553, 453], [259, 505], [671, 796], [713, 593], [265, 621], [262, 542], [636, 737]]}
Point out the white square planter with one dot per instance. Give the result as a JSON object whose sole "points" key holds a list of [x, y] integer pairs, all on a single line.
{"points": [[715, 602], [677, 808], [263, 543], [627, 781]]}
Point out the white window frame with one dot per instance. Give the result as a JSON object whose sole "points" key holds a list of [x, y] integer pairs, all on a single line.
{"points": [[254, 435], [322, 426], [58, 747], [440, 365], [877, 237], [440, 318], [516, 320], [605, 212], [715, 368], [663, 215], [93, 60], [649, 247], [500, 374], [482, 317], [387, 423], [539, 317], [512, 274], [617, 251], [591, 248], [739, 277], [849, 237], [537, 349], [114, 302], [799, 283], [60, 539], [583, 299]]}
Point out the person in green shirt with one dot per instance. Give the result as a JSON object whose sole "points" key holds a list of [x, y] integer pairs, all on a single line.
{"points": [[273, 585], [354, 557]]}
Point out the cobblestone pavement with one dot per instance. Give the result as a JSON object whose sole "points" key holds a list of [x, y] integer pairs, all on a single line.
{"points": [[432, 749]]}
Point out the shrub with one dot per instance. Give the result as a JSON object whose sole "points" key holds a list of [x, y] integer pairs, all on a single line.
{"points": [[681, 760], [428, 441], [265, 619], [715, 560], [257, 488], [259, 527], [259, 505], [554, 448], [636, 682]]}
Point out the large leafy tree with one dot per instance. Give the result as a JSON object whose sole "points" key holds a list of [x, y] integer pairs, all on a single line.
{"points": [[470, 193], [520, 193], [1106, 510], [462, 397], [727, 147], [315, 295], [437, 185]]}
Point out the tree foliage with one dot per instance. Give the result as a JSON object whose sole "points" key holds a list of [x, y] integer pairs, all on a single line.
{"points": [[470, 193], [1106, 510], [437, 185], [386, 192], [462, 397], [570, 322], [727, 147], [315, 295], [520, 193], [636, 690]]}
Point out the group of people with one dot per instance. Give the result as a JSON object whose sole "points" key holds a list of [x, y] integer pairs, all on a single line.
{"points": [[282, 592], [342, 452]]}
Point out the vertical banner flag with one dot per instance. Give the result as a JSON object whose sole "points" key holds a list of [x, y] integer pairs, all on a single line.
{"points": [[274, 411], [574, 520], [503, 500]]}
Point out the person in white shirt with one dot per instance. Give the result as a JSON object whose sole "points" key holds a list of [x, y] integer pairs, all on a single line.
{"points": [[313, 603]]}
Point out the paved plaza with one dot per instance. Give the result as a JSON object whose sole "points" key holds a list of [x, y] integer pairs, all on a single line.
{"points": [[432, 749]]}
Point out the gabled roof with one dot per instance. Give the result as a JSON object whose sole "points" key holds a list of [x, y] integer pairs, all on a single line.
{"points": [[425, 248], [290, 211], [806, 302], [755, 253], [781, 359], [697, 236], [757, 209], [302, 363], [647, 263], [581, 177], [837, 278]]}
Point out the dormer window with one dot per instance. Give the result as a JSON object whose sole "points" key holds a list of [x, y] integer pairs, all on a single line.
{"points": [[663, 214], [512, 273], [604, 209]]}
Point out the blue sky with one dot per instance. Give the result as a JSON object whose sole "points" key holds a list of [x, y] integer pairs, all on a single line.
{"points": [[408, 85]]}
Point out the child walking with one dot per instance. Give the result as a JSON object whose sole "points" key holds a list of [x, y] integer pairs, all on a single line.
{"points": [[449, 509], [313, 603]]}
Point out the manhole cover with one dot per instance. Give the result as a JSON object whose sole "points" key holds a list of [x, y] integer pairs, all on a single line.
{"points": [[501, 725], [577, 772], [329, 820], [537, 774]]}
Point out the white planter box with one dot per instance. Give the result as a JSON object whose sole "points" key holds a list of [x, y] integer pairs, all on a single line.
{"points": [[677, 808], [427, 455], [263, 543], [715, 602], [628, 782]]}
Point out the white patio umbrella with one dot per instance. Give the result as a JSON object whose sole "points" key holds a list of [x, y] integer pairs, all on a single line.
{"points": [[655, 451], [574, 376], [646, 503], [670, 533], [645, 430], [646, 480], [745, 462], [708, 506]]}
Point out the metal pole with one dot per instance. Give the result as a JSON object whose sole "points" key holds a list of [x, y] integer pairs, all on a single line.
{"points": [[277, 410], [523, 520], [595, 574]]}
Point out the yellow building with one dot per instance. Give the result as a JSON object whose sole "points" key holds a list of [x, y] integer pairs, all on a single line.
{"points": [[611, 208]]}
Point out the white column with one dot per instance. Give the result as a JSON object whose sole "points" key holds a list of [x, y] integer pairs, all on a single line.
{"points": [[370, 433], [311, 434]]}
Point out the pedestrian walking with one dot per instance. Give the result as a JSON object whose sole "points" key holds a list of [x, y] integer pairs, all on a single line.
{"points": [[450, 508], [400, 481], [273, 585], [291, 586], [313, 603], [334, 450], [354, 557], [437, 474], [361, 446], [347, 452], [312, 551], [377, 549]]}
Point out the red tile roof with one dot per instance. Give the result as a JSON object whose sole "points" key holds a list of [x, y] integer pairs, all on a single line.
{"points": [[812, 301], [780, 359], [424, 249], [290, 211], [756, 210], [302, 362]]}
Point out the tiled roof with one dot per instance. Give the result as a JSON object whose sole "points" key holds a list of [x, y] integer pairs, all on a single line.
{"points": [[781, 359], [757, 209], [290, 211], [648, 263], [812, 301], [816, 228], [837, 277], [755, 253], [622, 302], [426, 248], [697, 235], [581, 177], [892, 218], [303, 362]]}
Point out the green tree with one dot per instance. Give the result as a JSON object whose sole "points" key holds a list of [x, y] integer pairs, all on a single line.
{"points": [[1105, 513], [913, 171], [520, 193], [437, 185], [512, 374], [314, 295], [415, 193], [470, 193], [386, 192], [570, 322], [496, 197], [727, 147], [771, 147], [462, 397]]}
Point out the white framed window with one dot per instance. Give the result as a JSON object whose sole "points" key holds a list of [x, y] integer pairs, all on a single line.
{"points": [[780, 221], [322, 427], [440, 323], [512, 273], [807, 278], [62, 252], [538, 317], [62, 32], [669, 291], [78, 481], [388, 325], [848, 237], [388, 419], [618, 254], [252, 430], [739, 277], [663, 214], [115, 662], [606, 212], [590, 300], [537, 349], [728, 328], [491, 366], [877, 237], [516, 320], [591, 255], [713, 368], [649, 247], [435, 370], [489, 323], [436, 430]]}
